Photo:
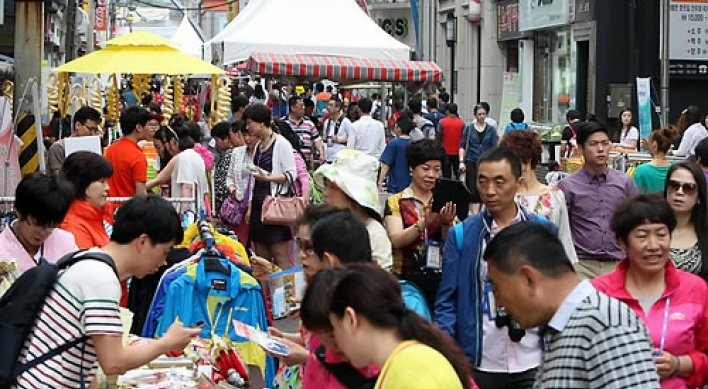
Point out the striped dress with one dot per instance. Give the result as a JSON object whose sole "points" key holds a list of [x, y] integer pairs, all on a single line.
{"points": [[83, 302]]}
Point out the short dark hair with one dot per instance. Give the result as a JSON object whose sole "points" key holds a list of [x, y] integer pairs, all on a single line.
{"points": [[406, 124], [308, 103], [693, 115], [496, 154], [432, 103], [406, 112], [701, 151], [150, 215], [585, 130], [526, 144], [131, 117], [572, 115], [485, 105], [451, 108], [239, 102], [86, 113], [423, 150], [343, 234], [319, 87], [259, 113], [82, 168], [509, 250], [193, 130], [292, 101], [517, 115], [638, 210], [336, 101], [415, 105], [365, 105], [314, 213], [444, 96], [239, 125], [314, 310], [220, 130], [44, 198]]}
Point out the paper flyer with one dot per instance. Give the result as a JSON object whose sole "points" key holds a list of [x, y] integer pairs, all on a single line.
{"points": [[287, 289], [260, 338]]}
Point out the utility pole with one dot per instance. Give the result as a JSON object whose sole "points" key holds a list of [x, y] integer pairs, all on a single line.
{"points": [[29, 41], [91, 26], [665, 5], [70, 37]]}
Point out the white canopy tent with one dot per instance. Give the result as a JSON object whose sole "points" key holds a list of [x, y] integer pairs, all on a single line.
{"points": [[189, 38], [274, 26]]}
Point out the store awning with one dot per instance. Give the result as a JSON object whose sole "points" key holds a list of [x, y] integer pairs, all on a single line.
{"points": [[344, 68]]}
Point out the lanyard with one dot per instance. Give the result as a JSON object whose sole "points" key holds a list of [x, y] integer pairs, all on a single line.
{"points": [[666, 324]]}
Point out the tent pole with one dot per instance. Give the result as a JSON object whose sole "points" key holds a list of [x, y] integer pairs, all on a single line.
{"points": [[383, 103]]}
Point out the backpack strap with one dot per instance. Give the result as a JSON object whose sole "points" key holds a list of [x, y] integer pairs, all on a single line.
{"points": [[459, 235], [51, 354], [345, 373], [70, 259]]}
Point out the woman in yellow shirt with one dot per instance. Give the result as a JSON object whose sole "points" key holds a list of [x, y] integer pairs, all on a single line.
{"points": [[372, 325]]}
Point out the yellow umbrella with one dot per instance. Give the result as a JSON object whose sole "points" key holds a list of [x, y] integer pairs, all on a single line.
{"points": [[139, 60], [140, 38]]}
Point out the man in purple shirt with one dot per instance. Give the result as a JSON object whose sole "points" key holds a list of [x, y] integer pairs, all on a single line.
{"points": [[591, 194]]}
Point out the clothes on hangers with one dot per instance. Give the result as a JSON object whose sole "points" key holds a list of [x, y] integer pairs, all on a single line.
{"points": [[191, 234], [195, 295]]}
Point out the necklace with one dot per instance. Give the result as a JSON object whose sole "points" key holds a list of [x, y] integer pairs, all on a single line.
{"points": [[266, 143]]}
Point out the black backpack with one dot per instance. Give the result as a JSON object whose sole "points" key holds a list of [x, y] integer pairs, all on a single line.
{"points": [[20, 308], [345, 373]]}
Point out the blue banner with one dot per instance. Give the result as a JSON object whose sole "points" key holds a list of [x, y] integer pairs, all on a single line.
{"points": [[416, 24]]}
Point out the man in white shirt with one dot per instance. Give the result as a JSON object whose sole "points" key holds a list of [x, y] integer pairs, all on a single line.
{"points": [[336, 129], [367, 135]]}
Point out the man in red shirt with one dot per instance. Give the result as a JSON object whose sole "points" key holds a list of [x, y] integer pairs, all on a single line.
{"points": [[126, 157], [450, 132]]}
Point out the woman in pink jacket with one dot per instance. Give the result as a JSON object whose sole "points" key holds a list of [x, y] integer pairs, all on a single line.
{"points": [[41, 202], [672, 303]]}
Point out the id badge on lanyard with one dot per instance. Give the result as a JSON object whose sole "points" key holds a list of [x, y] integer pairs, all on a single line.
{"points": [[433, 249], [489, 304]]}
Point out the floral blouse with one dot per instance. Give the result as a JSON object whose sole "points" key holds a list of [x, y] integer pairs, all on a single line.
{"points": [[552, 206]]}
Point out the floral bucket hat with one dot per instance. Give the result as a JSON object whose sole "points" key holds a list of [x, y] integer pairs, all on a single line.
{"points": [[355, 173]]}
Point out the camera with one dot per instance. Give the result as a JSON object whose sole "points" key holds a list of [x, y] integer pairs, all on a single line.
{"points": [[516, 333]]}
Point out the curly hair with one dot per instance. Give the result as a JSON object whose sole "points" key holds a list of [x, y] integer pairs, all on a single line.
{"points": [[526, 144]]}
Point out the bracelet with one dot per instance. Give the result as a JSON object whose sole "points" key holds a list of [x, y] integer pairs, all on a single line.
{"points": [[677, 369], [418, 227]]}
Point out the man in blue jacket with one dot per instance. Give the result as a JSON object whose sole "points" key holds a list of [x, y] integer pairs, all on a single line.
{"points": [[503, 355]]}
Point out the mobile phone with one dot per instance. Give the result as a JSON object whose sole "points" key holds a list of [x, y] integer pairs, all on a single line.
{"points": [[198, 324]]}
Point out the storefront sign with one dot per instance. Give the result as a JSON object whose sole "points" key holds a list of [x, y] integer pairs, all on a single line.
{"points": [[584, 11], [537, 14], [101, 17], [396, 27], [644, 102], [508, 20], [688, 35]]}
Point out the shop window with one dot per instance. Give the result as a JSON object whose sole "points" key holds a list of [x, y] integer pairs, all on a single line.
{"points": [[552, 76]]}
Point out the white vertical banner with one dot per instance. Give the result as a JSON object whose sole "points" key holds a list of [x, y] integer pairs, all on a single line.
{"points": [[644, 106]]}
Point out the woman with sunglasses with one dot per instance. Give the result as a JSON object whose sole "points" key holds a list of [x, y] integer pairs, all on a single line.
{"points": [[673, 304], [685, 190]]}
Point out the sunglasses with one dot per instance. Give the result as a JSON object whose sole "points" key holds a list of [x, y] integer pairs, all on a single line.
{"points": [[687, 187]]}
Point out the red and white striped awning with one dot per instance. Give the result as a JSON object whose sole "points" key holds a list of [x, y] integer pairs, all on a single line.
{"points": [[344, 68]]}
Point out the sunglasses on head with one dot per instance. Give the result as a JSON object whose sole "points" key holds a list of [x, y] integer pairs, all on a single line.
{"points": [[173, 133], [686, 187]]}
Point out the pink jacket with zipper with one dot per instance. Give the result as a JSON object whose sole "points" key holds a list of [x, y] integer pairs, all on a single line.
{"points": [[687, 328]]}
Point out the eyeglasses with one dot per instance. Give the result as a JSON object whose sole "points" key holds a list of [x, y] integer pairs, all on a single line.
{"points": [[688, 188], [93, 130], [306, 246]]}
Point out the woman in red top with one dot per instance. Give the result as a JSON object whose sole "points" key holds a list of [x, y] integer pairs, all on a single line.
{"points": [[88, 173]]}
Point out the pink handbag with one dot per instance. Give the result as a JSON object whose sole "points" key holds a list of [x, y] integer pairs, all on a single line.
{"points": [[281, 210]]}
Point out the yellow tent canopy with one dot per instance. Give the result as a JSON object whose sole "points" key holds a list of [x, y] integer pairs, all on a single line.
{"points": [[140, 38], [139, 60]]}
